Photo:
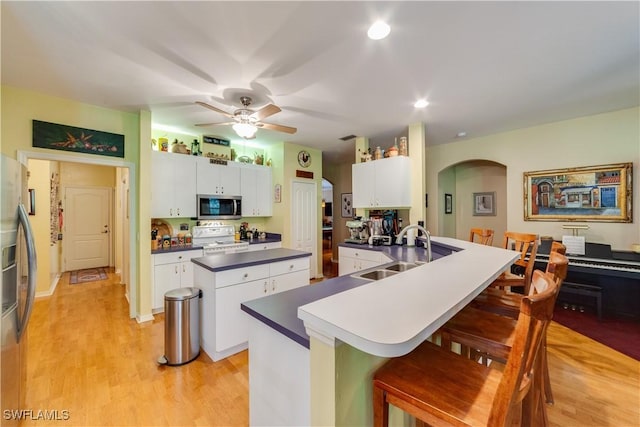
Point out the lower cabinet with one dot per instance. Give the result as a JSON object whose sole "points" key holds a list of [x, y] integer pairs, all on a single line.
{"points": [[225, 327], [352, 260], [231, 326], [170, 271]]}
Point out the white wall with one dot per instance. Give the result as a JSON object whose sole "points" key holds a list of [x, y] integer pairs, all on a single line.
{"points": [[593, 140]]}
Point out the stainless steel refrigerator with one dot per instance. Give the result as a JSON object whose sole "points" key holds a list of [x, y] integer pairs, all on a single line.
{"points": [[17, 286]]}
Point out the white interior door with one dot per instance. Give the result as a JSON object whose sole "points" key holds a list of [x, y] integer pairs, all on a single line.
{"points": [[87, 227], [304, 218]]}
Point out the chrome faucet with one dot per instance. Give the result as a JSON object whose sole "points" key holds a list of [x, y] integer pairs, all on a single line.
{"points": [[427, 238]]}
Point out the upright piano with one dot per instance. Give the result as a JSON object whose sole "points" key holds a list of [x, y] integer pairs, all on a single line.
{"points": [[614, 275]]}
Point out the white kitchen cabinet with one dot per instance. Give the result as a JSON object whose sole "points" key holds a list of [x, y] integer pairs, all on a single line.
{"points": [[384, 183], [212, 178], [264, 246], [170, 271], [256, 190], [173, 185], [232, 325], [351, 260], [225, 327]]}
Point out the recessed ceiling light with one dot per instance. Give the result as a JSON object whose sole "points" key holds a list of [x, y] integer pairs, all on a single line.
{"points": [[461, 134], [421, 103], [378, 30]]}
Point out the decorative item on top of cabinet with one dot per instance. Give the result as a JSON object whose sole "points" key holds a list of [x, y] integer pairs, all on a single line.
{"points": [[179, 147], [402, 148]]}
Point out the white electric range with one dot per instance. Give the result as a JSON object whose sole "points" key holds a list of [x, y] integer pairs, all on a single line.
{"points": [[217, 238]]}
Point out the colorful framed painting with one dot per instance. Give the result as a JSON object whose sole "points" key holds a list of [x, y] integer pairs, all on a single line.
{"points": [[79, 140], [593, 193]]}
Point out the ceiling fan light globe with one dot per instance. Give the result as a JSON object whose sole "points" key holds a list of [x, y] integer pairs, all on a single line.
{"points": [[378, 30], [245, 130]]}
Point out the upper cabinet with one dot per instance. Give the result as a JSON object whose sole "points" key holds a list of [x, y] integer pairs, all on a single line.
{"points": [[256, 190], [384, 183], [173, 187], [217, 179]]}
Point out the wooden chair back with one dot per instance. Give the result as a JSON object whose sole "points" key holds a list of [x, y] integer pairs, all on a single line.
{"points": [[527, 245], [535, 313], [483, 236], [557, 267], [558, 247]]}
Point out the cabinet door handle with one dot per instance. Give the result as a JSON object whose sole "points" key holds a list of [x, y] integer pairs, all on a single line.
{"points": [[183, 269], [176, 268], [291, 267], [245, 275], [273, 285], [265, 287], [178, 211], [170, 211]]}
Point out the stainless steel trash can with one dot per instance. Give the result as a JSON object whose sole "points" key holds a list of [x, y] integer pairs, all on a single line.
{"points": [[181, 326]]}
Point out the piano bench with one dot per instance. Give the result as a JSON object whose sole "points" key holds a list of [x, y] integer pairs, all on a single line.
{"points": [[585, 290]]}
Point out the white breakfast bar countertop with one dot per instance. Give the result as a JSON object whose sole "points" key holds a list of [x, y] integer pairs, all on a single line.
{"points": [[392, 316]]}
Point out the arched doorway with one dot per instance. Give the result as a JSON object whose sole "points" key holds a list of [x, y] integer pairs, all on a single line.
{"points": [[461, 181]]}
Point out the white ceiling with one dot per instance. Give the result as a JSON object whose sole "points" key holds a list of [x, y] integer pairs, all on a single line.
{"points": [[485, 67]]}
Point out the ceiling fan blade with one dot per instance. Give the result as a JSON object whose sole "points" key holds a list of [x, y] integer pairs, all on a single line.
{"points": [[214, 124], [217, 110], [266, 111], [279, 128]]}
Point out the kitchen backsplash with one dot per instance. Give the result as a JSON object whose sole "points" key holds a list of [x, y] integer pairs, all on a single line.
{"points": [[258, 223]]}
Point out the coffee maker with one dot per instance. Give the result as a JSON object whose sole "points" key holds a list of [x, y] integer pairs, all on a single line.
{"points": [[358, 231]]}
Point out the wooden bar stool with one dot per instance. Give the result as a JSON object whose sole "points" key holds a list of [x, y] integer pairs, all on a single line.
{"points": [[527, 245], [440, 387], [507, 303], [482, 236], [491, 335]]}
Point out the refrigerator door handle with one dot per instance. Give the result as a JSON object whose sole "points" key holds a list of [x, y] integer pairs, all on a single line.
{"points": [[23, 220]]}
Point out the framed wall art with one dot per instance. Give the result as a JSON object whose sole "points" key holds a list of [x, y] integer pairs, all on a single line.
{"points": [[79, 140], [593, 193], [448, 203], [347, 205], [484, 204]]}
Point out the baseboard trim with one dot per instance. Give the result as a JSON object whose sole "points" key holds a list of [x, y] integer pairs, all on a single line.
{"points": [[144, 318], [52, 288]]}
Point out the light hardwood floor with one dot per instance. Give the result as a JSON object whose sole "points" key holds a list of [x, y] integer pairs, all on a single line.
{"points": [[86, 356]]}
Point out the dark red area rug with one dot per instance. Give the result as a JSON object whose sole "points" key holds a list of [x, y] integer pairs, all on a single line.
{"points": [[619, 334]]}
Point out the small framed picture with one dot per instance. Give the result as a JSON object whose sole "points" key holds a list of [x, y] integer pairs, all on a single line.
{"points": [[448, 203], [347, 205], [484, 204], [277, 193]]}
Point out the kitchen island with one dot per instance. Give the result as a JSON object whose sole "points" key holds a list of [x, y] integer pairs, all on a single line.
{"points": [[322, 343], [228, 280]]}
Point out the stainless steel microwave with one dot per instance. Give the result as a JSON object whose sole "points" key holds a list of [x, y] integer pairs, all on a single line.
{"points": [[215, 206]]}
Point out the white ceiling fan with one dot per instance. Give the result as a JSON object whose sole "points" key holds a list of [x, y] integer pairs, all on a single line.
{"points": [[247, 121]]}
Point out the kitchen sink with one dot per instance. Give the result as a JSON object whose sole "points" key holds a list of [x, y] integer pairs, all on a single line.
{"points": [[401, 266], [389, 270], [376, 274]]}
